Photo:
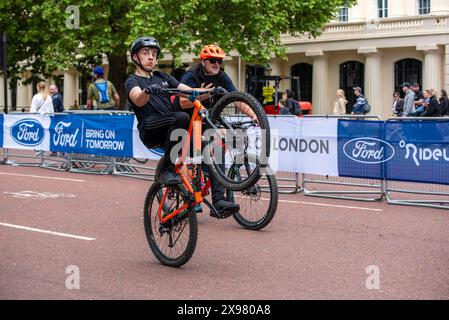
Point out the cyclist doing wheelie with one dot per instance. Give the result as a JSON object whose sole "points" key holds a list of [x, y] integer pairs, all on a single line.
{"points": [[156, 115]]}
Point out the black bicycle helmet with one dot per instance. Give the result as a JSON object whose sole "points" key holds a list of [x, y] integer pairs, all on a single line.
{"points": [[142, 42]]}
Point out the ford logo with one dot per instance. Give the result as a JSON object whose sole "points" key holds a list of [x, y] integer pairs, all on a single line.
{"points": [[27, 132], [368, 150], [157, 151]]}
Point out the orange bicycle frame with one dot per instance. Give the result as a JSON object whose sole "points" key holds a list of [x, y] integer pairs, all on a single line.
{"points": [[195, 130]]}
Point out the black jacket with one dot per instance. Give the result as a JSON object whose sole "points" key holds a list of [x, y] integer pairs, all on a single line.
{"points": [[444, 107], [433, 108]]}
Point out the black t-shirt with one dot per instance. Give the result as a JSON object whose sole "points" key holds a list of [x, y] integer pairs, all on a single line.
{"points": [[157, 104], [418, 96]]}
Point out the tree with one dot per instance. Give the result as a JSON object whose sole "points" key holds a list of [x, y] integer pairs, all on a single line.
{"points": [[41, 39], [252, 27]]}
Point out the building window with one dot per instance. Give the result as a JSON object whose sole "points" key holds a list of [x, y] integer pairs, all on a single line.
{"points": [[382, 8], [352, 74], [343, 14], [305, 73], [407, 70], [423, 6]]}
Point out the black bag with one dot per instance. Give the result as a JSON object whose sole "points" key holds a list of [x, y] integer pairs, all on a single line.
{"points": [[366, 107]]}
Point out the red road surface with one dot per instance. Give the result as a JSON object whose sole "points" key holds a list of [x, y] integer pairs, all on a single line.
{"points": [[308, 251]]}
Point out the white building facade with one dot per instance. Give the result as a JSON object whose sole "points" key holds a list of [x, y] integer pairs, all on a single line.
{"points": [[376, 44]]}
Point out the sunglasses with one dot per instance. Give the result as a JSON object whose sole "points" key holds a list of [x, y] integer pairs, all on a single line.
{"points": [[213, 61]]}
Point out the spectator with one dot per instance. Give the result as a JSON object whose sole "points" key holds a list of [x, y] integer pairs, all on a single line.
{"points": [[419, 98], [432, 109], [102, 91], [409, 100], [283, 109], [444, 103], [291, 104], [57, 98], [42, 101], [340, 103], [398, 105], [359, 107]]}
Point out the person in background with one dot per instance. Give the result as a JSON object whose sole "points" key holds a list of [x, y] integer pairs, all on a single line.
{"points": [[282, 108], [103, 91], [444, 103], [41, 101], [432, 109], [340, 103], [57, 98], [291, 104], [409, 100], [398, 105], [419, 97], [360, 102]]}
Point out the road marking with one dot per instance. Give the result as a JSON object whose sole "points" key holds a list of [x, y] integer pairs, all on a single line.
{"points": [[328, 205], [41, 177], [39, 195], [321, 204], [46, 231], [331, 205]]}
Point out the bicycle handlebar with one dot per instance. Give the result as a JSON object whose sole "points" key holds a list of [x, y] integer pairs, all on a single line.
{"points": [[186, 92]]}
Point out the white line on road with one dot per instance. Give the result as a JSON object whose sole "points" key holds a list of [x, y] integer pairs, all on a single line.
{"points": [[322, 204], [46, 231], [330, 205], [41, 177]]}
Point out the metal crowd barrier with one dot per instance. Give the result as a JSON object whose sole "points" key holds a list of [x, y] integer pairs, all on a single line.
{"points": [[413, 193], [353, 188], [395, 192], [288, 183], [29, 158], [130, 167]]}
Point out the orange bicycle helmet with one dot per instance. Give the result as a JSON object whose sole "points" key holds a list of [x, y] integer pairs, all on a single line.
{"points": [[212, 51]]}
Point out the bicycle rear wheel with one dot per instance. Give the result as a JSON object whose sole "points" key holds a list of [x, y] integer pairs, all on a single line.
{"points": [[256, 209], [246, 141], [173, 242]]}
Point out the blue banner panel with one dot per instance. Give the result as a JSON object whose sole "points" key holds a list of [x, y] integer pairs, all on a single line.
{"points": [[361, 150], [421, 151], [1, 131], [108, 135]]}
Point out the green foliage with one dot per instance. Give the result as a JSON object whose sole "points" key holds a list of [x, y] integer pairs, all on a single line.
{"points": [[252, 27], [40, 42]]}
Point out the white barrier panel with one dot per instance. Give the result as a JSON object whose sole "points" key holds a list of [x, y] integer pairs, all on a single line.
{"points": [[30, 132], [304, 145]]}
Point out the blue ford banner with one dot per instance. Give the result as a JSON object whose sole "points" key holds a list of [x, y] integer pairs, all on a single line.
{"points": [[109, 135], [361, 149], [421, 151]]}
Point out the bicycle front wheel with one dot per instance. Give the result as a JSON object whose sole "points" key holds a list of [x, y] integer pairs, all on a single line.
{"points": [[258, 204], [244, 140], [173, 242]]}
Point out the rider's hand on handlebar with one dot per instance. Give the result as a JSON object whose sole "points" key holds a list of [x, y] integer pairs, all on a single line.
{"points": [[154, 89], [218, 91]]}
